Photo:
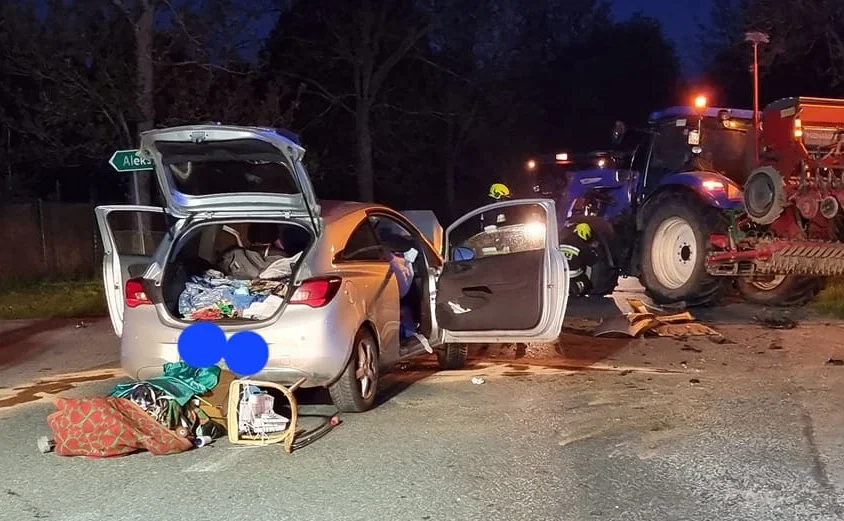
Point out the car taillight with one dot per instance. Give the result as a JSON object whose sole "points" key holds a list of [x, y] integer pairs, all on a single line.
{"points": [[135, 294], [316, 292]]}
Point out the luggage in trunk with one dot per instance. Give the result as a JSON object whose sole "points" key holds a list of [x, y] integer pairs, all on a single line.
{"points": [[245, 282]]}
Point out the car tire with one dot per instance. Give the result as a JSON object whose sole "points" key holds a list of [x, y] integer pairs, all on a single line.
{"points": [[349, 393], [452, 356], [780, 291], [680, 223]]}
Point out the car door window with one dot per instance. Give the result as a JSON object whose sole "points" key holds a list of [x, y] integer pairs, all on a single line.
{"points": [[130, 235], [505, 277], [499, 231], [398, 238], [363, 245], [391, 234], [137, 233]]}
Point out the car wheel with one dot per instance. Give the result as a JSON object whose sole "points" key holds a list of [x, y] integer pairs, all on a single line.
{"points": [[452, 356], [674, 248], [355, 390]]}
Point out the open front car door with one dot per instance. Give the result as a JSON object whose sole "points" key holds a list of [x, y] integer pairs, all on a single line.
{"points": [[504, 278]]}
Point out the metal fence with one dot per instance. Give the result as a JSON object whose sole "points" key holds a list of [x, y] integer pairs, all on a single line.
{"points": [[46, 239], [59, 240]]}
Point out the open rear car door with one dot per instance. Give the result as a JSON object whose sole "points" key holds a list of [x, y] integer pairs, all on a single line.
{"points": [[125, 254], [504, 278]]}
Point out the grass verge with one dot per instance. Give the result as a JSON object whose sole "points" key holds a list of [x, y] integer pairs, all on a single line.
{"points": [[831, 299], [53, 299]]}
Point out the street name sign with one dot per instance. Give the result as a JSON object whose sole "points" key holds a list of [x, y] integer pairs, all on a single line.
{"points": [[129, 161]]}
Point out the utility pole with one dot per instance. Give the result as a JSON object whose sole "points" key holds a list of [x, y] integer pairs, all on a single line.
{"points": [[755, 38]]}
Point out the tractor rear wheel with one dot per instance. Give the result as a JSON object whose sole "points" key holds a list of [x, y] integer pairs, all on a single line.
{"points": [[675, 243], [780, 290]]}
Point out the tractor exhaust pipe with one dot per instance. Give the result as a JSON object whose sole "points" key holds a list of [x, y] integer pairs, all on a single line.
{"points": [[755, 38]]}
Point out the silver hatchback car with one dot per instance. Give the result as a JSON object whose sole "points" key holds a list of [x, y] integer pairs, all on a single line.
{"points": [[342, 313]]}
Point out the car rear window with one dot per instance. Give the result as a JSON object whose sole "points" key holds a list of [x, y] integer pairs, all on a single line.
{"points": [[221, 167]]}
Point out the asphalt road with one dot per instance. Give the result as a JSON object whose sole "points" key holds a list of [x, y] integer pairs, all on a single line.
{"points": [[612, 429]]}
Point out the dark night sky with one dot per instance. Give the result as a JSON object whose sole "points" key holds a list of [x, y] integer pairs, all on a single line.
{"points": [[679, 19]]}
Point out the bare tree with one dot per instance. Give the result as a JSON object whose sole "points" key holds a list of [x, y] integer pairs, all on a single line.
{"points": [[347, 57]]}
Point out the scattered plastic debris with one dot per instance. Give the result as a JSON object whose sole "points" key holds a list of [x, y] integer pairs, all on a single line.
{"points": [[649, 319], [46, 445], [478, 380], [81, 325]]}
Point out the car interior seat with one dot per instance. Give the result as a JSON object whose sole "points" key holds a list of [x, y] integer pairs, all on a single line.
{"points": [[293, 238]]}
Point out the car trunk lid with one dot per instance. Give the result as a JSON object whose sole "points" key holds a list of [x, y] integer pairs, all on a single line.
{"points": [[213, 170]]}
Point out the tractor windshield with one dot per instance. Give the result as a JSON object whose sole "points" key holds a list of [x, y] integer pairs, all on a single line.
{"points": [[723, 148]]}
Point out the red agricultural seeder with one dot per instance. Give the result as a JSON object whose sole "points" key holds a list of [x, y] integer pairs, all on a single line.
{"points": [[793, 221]]}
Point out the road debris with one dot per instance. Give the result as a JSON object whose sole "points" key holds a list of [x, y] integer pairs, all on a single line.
{"points": [[775, 320], [720, 340], [478, 380], [694, 381], [646, 319], [834, 361]]}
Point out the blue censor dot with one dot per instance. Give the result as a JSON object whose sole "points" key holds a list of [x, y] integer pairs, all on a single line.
{"points": [[204, 344], [247, 353]]}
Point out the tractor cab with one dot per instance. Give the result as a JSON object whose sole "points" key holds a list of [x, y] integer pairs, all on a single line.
{"points": [[683, 139]]}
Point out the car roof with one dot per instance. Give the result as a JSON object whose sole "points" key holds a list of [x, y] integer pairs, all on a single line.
{"points": [[333, 210]]}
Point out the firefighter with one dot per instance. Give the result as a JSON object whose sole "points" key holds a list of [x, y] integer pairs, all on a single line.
{"points": [[575, 243], [499, 192]]}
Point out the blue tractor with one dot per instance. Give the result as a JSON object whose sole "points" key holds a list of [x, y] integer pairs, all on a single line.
{"points": [[654, 199]]}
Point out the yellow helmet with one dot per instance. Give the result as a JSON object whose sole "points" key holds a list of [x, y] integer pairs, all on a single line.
{"points": [[584, 231], [499, 190]]}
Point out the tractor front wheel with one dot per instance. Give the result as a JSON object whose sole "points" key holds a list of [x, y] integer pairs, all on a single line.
{"points": [[675, 243], [780, 290]]}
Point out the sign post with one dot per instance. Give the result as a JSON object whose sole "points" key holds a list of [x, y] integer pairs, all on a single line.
{"points": [[131, 161]]}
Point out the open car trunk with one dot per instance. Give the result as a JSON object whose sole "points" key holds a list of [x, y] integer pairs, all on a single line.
{"points": [[232, 271]]}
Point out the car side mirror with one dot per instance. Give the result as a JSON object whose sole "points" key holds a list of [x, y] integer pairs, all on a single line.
{"points": [[619, 129], [462, 254]]}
